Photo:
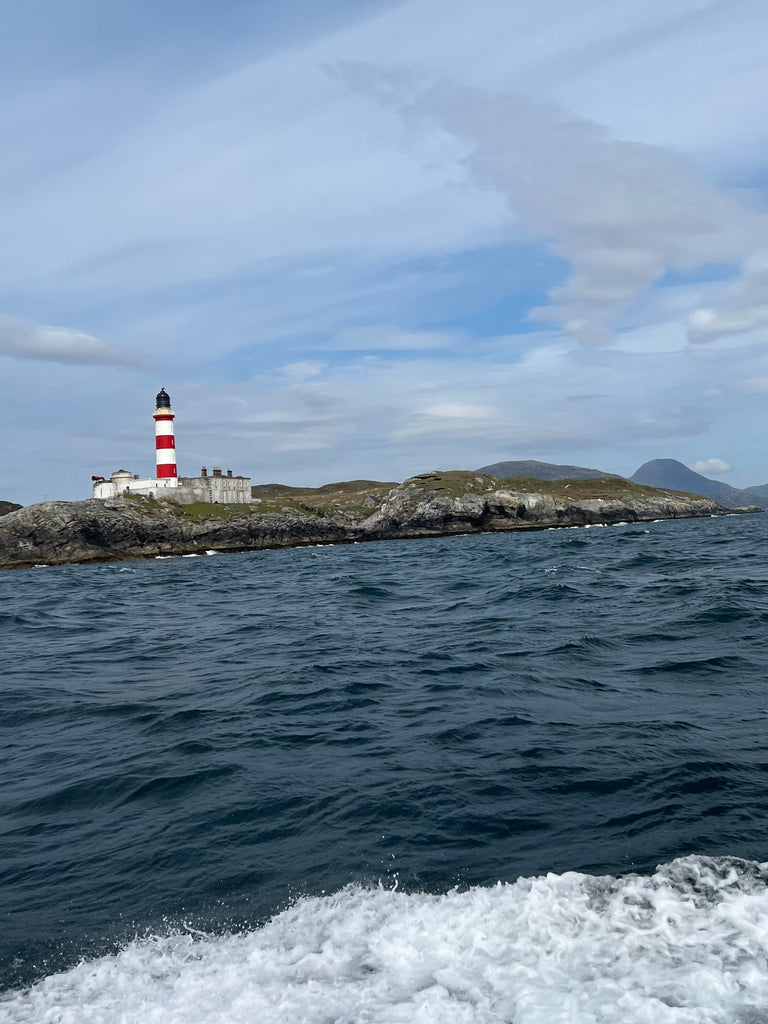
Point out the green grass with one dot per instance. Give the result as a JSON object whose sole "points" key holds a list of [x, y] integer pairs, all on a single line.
{"points": [[148, 499], [205, 510], [356, 497]]}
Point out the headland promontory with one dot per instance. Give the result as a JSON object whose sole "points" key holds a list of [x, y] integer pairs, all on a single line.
{"points": [[428, 505]]}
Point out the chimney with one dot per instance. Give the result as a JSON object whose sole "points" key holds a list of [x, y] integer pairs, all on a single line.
{"points": [[229, 473], [217, 470], [204, 471]]}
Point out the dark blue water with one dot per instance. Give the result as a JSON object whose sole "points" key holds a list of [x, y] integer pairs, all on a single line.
{"points": [[191, 744]]}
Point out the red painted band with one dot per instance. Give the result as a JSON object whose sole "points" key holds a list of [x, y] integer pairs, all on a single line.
{"points": [[162, 416], [166, 471], [165, 441]]}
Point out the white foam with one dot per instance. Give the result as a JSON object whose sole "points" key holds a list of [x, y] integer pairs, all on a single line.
{"points": [[688, 945]]}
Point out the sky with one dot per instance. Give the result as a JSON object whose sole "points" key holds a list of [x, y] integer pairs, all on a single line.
{"points": [[371, 238]]}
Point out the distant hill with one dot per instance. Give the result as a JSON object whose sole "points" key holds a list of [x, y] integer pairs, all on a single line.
{"points": [[543, 471], [8, 506], [674, 476], [758, 493]]}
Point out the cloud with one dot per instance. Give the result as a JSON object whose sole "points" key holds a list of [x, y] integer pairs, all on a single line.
{"points": [[406, 413], [621, 213], [20, 339], [144, 196], [383, 338], [302, 370], [709, 467], [459, 411], [739, 309]]}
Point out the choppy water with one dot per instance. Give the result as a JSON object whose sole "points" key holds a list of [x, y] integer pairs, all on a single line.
{"points": [[412, 781]]}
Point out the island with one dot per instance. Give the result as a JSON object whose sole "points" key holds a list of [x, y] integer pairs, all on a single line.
{"points": [[431, 504]]}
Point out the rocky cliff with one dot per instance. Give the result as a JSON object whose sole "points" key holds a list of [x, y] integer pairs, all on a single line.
{"points": [[432, 504], [8, 506], [60, 532]]}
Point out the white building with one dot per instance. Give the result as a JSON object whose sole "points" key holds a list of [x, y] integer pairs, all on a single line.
{"points": [[218, 487]]}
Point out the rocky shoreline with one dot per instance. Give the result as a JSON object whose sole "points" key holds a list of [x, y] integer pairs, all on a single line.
{"points": [[429, 505]]}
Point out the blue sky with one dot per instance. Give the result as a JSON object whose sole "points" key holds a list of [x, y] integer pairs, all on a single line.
{"points": [[376, 238]]}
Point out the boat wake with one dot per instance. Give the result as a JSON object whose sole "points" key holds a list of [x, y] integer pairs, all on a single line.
{"points": [[688, 944]]}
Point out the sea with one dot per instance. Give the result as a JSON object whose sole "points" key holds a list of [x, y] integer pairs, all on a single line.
{"points": [[515, 778]]}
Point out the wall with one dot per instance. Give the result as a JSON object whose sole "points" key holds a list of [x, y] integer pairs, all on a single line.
{"points": [[223, 489], [210, 489], [120, 483]]}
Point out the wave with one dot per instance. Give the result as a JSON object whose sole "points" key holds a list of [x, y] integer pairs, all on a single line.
{"points": [[686, 945]]}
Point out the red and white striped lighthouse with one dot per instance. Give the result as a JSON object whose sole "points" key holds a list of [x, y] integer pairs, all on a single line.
{"points": [[165, 444]]}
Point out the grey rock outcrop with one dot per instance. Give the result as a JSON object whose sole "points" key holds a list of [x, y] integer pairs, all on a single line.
{"points": [[411, 512], [61, 532]]}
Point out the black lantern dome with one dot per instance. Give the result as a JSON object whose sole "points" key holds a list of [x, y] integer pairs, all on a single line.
{"points": [[163, 400]]}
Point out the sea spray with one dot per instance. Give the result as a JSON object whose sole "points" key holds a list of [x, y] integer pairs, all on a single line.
{"points": [[687, 945]]}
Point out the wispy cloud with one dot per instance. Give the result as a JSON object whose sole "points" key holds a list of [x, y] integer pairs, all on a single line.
{"points": [[621, 213], [382, 338], [738, 309], [303, 370], [20, 339]]}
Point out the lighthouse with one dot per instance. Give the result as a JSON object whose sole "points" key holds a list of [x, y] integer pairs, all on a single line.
{"points": [[165, 442], [167, 484]]}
